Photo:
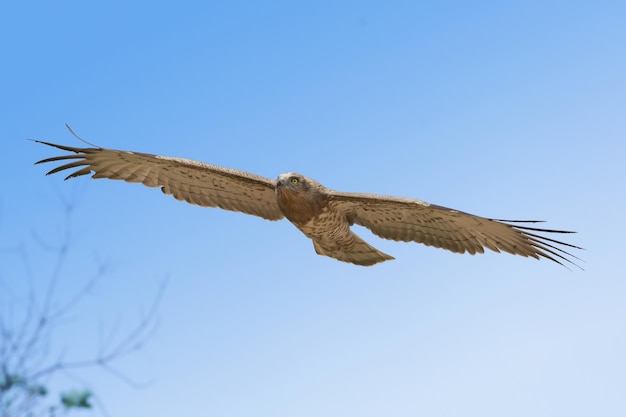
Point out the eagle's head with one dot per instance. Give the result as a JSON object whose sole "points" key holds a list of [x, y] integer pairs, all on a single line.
{"points": [[299, 197], [297, 183]]}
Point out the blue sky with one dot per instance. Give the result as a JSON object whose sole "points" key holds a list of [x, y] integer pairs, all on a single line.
{"points": [[502, 109]]}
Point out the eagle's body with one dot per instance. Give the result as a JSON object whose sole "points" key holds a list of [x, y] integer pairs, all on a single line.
{"points": [[322, 214], [307, 204]]}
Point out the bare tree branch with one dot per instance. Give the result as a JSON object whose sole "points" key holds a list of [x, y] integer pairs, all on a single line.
{"points": [[134, 341], [28, 321]]}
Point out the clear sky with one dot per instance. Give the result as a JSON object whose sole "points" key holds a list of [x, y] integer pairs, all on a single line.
{"points": [[502, 109]]}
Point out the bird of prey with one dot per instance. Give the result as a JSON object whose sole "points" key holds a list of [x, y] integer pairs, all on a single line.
{"points": [[322, 214]]}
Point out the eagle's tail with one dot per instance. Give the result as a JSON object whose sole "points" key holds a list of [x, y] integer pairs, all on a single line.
{"points": [[357, 252]]}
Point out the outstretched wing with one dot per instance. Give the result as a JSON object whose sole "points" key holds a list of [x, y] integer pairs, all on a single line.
{"points": [[409, 220], [197, 183]]}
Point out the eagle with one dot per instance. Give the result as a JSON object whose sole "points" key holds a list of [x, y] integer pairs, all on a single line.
{"points": [[322, 214]]}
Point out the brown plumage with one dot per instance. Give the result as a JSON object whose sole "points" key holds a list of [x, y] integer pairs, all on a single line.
{"points": [[323, 215]]}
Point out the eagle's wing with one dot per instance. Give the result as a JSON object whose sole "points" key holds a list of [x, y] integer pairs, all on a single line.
{"points": [[410, 220], [195, 182]]}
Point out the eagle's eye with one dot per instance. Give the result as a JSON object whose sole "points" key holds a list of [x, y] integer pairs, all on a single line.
{"points": [[294, 180]]}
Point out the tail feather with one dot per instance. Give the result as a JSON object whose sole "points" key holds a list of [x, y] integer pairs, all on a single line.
{"points": [[357, 252]]}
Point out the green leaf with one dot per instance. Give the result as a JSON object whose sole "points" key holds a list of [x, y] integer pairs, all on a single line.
{"points": [[38, 389], [9, 381], [76, 399]]}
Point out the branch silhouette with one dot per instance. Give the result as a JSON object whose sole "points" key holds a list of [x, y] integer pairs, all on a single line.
{"points": [[29, 318]]}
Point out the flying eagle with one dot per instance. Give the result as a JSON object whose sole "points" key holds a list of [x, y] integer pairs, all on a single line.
{"points": [[322, 214]]}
